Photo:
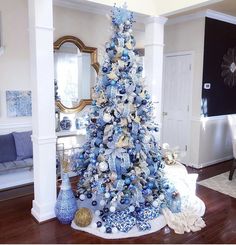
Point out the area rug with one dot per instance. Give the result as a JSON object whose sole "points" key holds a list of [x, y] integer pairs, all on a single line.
{"points": [[221, 183]]}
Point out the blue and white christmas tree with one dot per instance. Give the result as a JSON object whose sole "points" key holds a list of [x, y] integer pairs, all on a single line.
{"points": [[120, 167]]}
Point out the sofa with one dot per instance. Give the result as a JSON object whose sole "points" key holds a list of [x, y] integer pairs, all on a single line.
{"points": [[16, 151]]}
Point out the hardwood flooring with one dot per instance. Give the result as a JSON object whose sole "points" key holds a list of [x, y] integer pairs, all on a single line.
{"points": [[18, 226]]}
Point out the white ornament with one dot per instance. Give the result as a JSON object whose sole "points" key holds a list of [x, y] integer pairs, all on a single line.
{"points": [[107, 117], [103, 166], [131, 208], [82, 197], [107, 195], [97, 213], [112, 209], [161, 197], [155, 204], [103, 229], [114, 230], [102, 202]]}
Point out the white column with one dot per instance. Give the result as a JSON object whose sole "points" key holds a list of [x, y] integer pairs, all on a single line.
{"points": [[154, 45], [44, 139]]}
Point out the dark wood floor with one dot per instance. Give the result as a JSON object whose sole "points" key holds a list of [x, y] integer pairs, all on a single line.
{"points": [[18, 226]]}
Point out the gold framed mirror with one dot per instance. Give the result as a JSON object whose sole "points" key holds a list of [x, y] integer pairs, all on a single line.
{"points": [[75, 66]]}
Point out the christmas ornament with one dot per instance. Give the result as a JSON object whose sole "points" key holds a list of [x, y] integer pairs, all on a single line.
{"points": [[83, 217]]}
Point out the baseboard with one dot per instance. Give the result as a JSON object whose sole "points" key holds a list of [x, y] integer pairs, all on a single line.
{"points": [[16, 192], [206, 164]]}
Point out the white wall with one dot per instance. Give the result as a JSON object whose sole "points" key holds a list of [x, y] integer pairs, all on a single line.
{"points": [[189, 36], [93, 29], [14, 63], [209, 137]]}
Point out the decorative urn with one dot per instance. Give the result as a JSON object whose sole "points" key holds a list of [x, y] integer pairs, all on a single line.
{"points": [[66, 205], [65, 123]]}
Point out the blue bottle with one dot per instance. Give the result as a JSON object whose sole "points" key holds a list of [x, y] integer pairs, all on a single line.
{"points": [[66, 205]]}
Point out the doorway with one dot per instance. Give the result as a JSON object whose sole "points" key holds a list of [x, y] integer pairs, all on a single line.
{"points": [[176, 103]]}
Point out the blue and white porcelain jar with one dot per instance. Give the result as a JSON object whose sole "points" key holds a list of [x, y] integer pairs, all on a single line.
{"points": [[66, 205], [65, 123]]}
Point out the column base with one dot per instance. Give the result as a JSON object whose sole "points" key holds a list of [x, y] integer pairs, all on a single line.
{"points": [[43, 212]]}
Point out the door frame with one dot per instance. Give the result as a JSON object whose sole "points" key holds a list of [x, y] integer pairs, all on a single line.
{"points": [[173, 54]]}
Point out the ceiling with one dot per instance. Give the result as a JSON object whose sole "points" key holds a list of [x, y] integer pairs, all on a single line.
{"points": [[225, 6], [141, 8]]}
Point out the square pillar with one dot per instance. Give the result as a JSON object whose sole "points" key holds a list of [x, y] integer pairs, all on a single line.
{"points": [[43, 108], [154, 46]]}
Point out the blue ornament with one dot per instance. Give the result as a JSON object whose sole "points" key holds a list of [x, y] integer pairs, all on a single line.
{"points": [[94, 203], [144, 102], [108, 230], [106, 210], [122, 91], [99, 224], [127, 201], [122, 201], [127, 181], [147, 204], [112, 82], [140, 69], [89, 195], [66, 205], [104, 69], [133, 177], [104, 218]]}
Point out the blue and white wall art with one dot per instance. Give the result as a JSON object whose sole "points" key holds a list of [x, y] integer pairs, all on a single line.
{"points": [[19, 103]]}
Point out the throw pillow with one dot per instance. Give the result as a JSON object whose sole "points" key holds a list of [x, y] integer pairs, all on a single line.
{"points": [[24, 147], [7, 148]]}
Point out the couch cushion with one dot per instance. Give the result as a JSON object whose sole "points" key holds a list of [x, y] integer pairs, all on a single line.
{"points": [[24, 147], [7, 148]]}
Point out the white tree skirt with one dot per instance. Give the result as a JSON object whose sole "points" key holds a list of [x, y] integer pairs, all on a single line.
{"points": [[193, 208]]}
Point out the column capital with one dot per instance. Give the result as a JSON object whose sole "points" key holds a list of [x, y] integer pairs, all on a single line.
{"points": [[156, 19]]}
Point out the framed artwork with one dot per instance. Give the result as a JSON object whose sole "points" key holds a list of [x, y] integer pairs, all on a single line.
{"points": [[19, 103]]}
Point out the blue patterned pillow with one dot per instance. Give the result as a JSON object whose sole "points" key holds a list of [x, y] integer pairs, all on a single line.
{"points": [[24, 147], [7, 148]]}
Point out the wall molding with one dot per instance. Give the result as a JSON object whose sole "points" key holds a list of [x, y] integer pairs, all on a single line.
{"points": [[10, 127], [202, 14], [94, 8], [206, 164]]}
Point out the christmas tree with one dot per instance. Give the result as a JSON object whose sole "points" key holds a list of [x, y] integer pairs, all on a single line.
{"points": [[120, 167]]}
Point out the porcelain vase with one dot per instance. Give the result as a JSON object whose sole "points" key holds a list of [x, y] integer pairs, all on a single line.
{"points": [[65, 123], [66, 205]]}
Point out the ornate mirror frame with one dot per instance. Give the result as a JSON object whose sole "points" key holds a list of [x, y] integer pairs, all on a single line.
{"points": [[94, 63]]}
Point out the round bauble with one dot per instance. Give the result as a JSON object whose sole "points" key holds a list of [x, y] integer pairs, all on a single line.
{"points": [[112, 209], [103, 166], [155, 204], [102, 202], [107, 117], [108, 230], [161, 197], [83, 217], [82, 197], [97, 213], [99, 224], [107, 195], [131, 208]]}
